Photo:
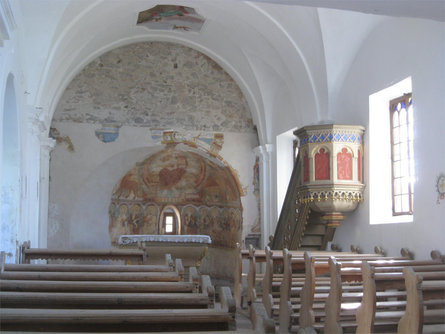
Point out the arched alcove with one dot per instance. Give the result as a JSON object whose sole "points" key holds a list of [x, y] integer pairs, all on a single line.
{"points": [[170, 220], [10, 173]]}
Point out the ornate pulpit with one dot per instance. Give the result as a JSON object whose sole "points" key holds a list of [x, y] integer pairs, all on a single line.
{"points": [[331, 180]]}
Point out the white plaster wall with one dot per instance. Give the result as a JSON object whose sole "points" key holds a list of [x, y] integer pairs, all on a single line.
{"points": [[396, 49], [284, 155], [82, 181], [28, 147]]}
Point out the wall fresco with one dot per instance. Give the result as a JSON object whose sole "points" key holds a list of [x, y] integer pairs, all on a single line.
{"points": [[61, 140], [202, 189]]}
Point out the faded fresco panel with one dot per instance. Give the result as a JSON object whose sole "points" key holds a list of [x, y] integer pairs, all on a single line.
{"points": [[204, 191]]}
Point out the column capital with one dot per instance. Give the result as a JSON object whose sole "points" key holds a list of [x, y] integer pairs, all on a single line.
{"points": [[264, 151], [46, 144], [36, 124]]}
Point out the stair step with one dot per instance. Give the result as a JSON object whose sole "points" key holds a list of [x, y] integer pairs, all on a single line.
{"points": [[312, 240], [315, 229]]}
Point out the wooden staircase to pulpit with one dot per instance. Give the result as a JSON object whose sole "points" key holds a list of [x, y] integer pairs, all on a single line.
{"points": [[299, 227]]}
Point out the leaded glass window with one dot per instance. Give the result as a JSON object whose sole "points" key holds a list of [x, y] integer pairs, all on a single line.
{"points": [[401, 115]]}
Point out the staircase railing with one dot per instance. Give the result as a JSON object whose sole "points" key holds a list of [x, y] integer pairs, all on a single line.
{"points": [[293, 217]]}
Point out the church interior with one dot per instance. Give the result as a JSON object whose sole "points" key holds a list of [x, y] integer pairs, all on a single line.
{"points": [[211, 131]]}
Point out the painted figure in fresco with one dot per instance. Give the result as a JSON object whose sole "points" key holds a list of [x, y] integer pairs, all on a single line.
{"points": [[172, 173], [120, 225], [111, 216], [204, 221], [193, 227], [150, 220], [191, 220], [322, 165], [134, 221], [129, 187], [344, 165], [214, 230]]}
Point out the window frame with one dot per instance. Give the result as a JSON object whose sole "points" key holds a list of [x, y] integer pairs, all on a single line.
{"points": [[406, 99], [164, 223]]}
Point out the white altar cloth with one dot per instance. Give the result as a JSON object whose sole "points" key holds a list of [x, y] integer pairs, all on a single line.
{"points": [[191, 249], [127, 239]]}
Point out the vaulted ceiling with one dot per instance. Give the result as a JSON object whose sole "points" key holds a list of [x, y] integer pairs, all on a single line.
{"points": [[287, 57]]}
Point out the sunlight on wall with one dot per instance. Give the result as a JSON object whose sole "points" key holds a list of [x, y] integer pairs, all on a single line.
{"points": [[380, 211], [285, 165]]}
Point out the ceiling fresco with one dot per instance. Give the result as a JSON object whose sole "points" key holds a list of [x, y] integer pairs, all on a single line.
{"points": [[171, 17]]}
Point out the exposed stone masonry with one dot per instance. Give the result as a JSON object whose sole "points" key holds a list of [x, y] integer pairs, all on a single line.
{"points": [[156, 85]]}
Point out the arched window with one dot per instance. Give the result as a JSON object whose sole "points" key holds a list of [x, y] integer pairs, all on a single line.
{"points": [[169, 221]]}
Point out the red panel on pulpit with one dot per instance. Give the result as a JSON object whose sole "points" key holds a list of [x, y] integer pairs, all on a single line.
{"points": [[344, 165], [322, 165]]}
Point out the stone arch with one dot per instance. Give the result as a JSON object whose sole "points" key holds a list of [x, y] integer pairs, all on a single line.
{"points": [[10, 172]]}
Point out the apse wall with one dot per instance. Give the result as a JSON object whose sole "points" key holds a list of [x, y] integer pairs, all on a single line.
{"points": [[127, 106], [395, 50]]}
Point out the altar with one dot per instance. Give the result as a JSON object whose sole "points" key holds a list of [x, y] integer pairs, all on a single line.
{"points": [[191, 249]]}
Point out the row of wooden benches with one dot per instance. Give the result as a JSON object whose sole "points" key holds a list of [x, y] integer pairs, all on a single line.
{"points": [[109, 297], [28, 254], [339, 292]]}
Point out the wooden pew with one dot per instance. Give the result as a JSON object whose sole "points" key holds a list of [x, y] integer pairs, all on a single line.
{"points": [[168, 266], [294, 266], [143, 276], [321, 286], [377, 277], [271, 280], [113, 305], [167, 318], [418, 318], [370, 315], [200, 296], [95, 286], [128, 255], [116, 320]]}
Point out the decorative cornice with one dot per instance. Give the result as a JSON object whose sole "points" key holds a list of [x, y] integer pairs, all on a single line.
{"points": [[308, 196]]}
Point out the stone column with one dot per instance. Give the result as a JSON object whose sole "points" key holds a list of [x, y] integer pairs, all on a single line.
{"points": [[264, 152], [46, 146]]}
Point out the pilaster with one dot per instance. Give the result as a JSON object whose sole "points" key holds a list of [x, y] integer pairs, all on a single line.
{"points": [[46, 146], [264, 153], [35, 178]]}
